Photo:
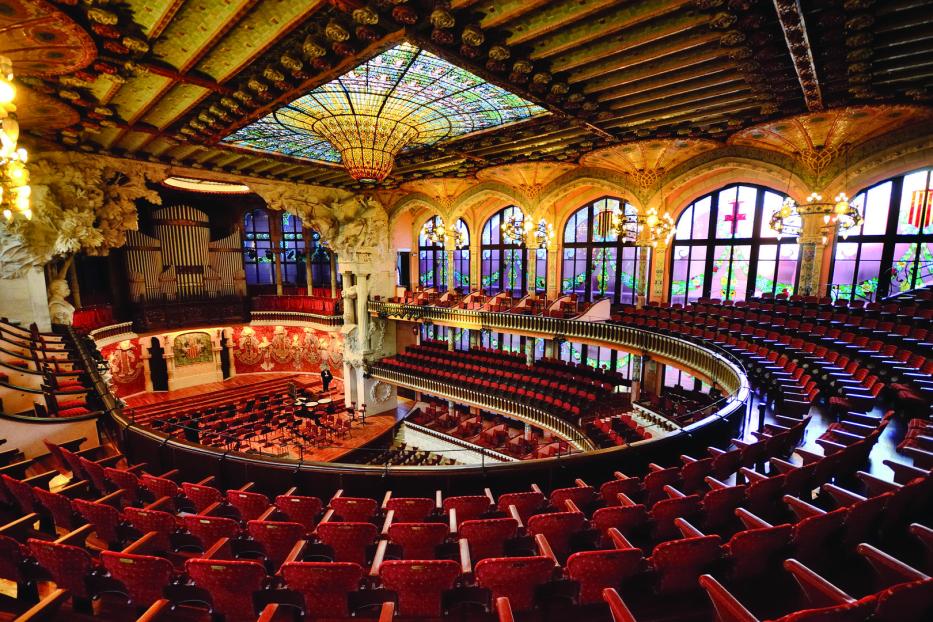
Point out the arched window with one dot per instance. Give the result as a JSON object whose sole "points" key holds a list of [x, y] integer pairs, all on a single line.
{"points": [[893, 249], [596, 262], [724, 247], [432, 258], [293, 251], [258, 255], [320, 261], [505, 261]]}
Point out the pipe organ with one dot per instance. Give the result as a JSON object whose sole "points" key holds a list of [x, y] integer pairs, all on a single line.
{"points": [[180, 261]]}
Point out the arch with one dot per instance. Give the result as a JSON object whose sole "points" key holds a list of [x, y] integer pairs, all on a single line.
{"points": [[724, 247], [477, 195], [598, 182], [596, 262]]}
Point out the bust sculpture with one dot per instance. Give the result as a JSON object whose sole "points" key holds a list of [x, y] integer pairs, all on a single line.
{"points": [[60, 310]]}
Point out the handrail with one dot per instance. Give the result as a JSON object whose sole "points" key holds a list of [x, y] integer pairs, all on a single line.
{"points": [[296, 316], [453, 440], [516, 410]]}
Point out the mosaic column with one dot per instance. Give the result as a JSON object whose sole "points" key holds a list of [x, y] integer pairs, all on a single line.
{"points": [[658, 268], [814, 236], [348, 303], [553, 272], [643, 255], [449, 255], [476, 271], [277, 262], [309, 281], [333, 274], [450, 339], [636, 377]]}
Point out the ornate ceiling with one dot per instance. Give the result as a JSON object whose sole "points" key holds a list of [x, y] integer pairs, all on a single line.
{"points": [[166, 80]]}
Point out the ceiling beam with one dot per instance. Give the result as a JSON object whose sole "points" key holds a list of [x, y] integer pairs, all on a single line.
{"points": [[790, 14]]}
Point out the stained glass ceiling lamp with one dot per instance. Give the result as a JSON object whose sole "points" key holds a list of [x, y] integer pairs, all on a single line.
{"points": [[402, 99]]}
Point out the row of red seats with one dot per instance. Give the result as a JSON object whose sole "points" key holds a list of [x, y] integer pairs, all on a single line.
{"points": [[299, 304], [88, 318]]}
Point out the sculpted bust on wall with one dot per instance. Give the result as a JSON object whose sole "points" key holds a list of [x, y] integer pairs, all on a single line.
{"points": [[60, 310]]}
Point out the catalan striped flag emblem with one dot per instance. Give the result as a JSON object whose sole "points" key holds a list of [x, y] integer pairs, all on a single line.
{"points": [[920, 208]]}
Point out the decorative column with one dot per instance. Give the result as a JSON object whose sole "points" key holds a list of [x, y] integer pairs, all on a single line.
{"points": [[643, 255], [531, 266], [552, 285], [658, 270], [450, 246], [476, 271], [815, 234], [451, 339], [333, 274], [474, 339], [529, 351], [362, 313], [348, 304], [550, 349], [145, 355], [73, 284], [637, 360]]}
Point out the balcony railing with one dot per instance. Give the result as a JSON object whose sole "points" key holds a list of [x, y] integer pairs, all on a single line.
{"points": [[296, 316], [510, 408], [714, 364]]}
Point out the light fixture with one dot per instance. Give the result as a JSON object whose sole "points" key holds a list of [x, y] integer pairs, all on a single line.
{"points": [[513, 229], [436, 232], [543, 233], [14, 178], [403, 98], [656, 228], [788, 220]]}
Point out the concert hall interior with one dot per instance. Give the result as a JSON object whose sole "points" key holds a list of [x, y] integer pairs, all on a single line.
{"points": [[473, 310]]}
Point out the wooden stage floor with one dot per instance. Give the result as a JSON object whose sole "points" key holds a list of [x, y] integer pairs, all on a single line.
{"points": [[360, 434]]}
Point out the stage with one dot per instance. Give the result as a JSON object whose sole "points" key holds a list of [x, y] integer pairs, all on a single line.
{"points": [[148, 408]]}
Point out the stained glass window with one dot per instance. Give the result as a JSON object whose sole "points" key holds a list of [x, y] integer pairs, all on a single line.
{"points": [[462, 259], [292, 255], [893, 249], [258, 256], [320, 262], [432, 259], [404, 86], [504, 261], [596, 262], [724, 248]]}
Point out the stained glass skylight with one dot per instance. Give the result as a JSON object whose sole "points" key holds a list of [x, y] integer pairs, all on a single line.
{"points": [[403, 98]]}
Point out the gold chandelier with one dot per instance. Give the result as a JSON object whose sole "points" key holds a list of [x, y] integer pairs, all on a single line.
{"points": [[14, 178], [518, 229], [435, 231], [656, 228], [788, 220]]}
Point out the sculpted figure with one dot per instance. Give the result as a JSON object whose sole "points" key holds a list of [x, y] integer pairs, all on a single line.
{"points": [[60, 310]]}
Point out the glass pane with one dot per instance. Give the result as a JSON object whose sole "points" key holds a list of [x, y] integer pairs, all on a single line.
{"points": [[719, 286], [876, 214], [867, 271], [903, 268], [684, 224], [914, 205], [701, 215], [772, 203], [739, 280]]}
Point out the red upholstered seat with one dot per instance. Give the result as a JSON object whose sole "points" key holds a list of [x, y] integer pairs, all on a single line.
{"points": [[127, 480], [250, 505], [628, 519], [596, 570], [905, 602], [582, 496], [21, 493], [276, 537], [11, 556], [68, 565], [419, 584], [159, 486], [487, 536], [105, 518], [354, 509], [527, 503], [514, 578], [201, 496], [96, 474], [58, 505], [754, 551], [143, 576], [469, 507], [558, 528], [144, 521], [324, 585], [230, 583], [410, 509], [679, 563], [418, 540], [209, 529], [347, 539], [300, 509]]}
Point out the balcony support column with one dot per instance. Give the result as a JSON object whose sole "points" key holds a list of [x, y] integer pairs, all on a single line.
{"points": [[552, 285], [333, 274]]}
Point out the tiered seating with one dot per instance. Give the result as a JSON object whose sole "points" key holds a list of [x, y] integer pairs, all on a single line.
{"points": [[40, 374], [565, 393], [724, 523], [317, 304]]}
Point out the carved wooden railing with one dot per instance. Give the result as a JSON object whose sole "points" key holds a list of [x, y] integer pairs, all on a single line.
{"points": [[510, 408]]}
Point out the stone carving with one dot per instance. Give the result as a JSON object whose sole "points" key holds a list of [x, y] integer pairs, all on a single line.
{"points": [[377, 333], [380, 392], [80, 204], [60, 310]]}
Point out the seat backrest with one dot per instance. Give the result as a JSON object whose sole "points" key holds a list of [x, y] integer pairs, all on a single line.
{"points": [[324, 585], [231, 584], [719, 506], [754, 551], [96, 474], [525, 502], [144, 521], [354, 509], [143, 576], [810, 534], [905, 602], [626, 518], [124, 479], [680, 562], [159, 486], [11, 555], [347, 539], [487, 536], [469, 507], [665, 511], [300, 509], [201, 496], [105, 518], [514, 578], [558, 528], [596, 570], [67, 564], [582, 496], [276, 537], [410, 509], [250, 505], [209, 529], [418, 540], [419, 584]]}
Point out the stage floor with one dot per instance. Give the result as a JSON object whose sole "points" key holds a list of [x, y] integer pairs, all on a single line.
{"points": [[360, 434]]}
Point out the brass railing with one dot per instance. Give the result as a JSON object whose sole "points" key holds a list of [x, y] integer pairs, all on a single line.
{"points": [[516, 410], [296, 316]]}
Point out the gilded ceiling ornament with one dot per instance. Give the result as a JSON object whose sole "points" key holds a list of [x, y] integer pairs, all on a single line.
{"points": [[313, 48], [257, 85], [229, 103], [336, 32], [99, 15], [272, 74], [731, 38], [499, 52], [723, 20], [291, 63], [541, 78], [365, 15], [136, 45], [244, 97], [473, 35], [442, 18], [522, 65]]}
